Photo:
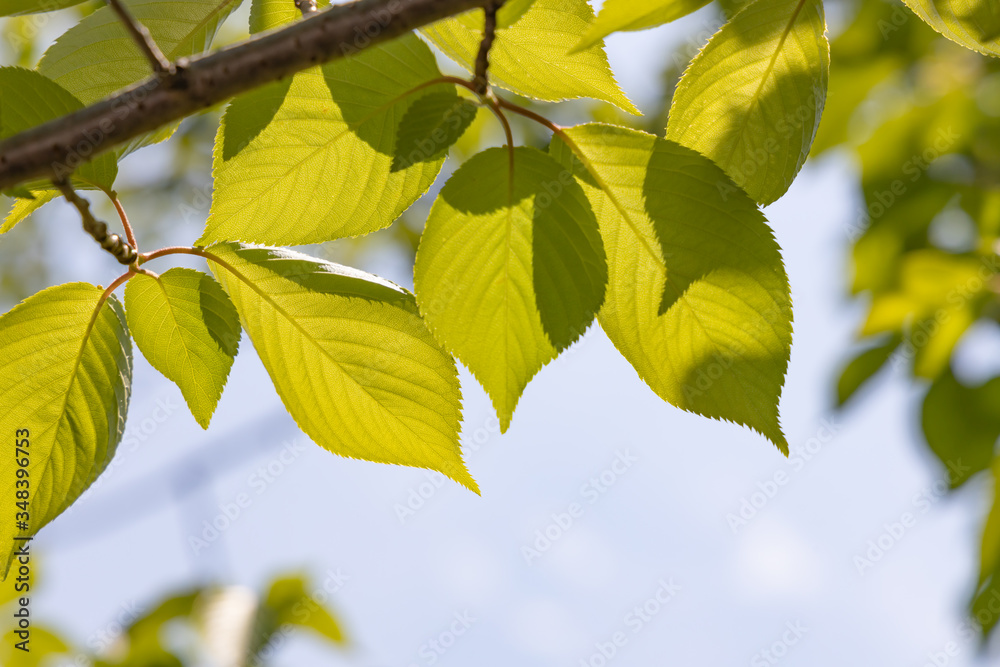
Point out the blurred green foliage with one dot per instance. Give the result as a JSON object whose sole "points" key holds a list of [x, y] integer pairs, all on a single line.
{"points": [[225, 625], [921, 117]]}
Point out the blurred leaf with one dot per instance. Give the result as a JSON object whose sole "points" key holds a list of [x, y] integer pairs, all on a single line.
{"points": [[931, 285], [532, 57], [43, 644], [288, 602], [268, 14], [961, 425], [629, 15], [752, 99], [865, 365], [716, 340], [23, 208], [975, 24], [20, 7]]}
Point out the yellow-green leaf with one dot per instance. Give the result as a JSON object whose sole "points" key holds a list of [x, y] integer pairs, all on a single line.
{"points": [[532, 57], [629, 15], [65, 379], [350, 357], [430, 126], [510, 269], [315, 163], [697, 300], [975, 24], [21, 7], [28, 99], [23, 208], [97, 56], [752, 99], [188, 329]]}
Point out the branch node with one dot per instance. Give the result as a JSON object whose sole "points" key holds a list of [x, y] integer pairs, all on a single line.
{"points": [[307, 7], [114, 244], [479, 80]]}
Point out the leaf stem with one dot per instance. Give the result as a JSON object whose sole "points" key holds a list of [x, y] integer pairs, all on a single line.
{"points": [[129, 234], [186, 250], [115, 285]]}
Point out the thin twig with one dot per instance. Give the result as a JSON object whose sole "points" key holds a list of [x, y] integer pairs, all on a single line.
{"points": [[140, 35], [116, 245], [480, 81]]}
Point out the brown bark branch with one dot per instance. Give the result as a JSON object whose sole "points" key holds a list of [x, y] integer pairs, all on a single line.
{"points": [[117, 246], [56, 148], [479, 79]]}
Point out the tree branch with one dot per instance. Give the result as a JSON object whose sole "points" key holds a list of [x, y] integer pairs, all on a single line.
{"points": [[116, 245], [56, 148], [142, 39], [480, 81]]}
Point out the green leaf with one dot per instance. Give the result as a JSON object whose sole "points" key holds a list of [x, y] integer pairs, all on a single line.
{"points": [[66, 377], [975, 24], [990, 552], [43, 645], [430, 126], [97, 57], [531, 57], [629, 15], [288, 602], [752, 99], [961, 425], [350, 357], [319, 167], [20, 7], [189, 330], [28, 99], [510, 268], [23, 208], [716, 341], [863, 367]]}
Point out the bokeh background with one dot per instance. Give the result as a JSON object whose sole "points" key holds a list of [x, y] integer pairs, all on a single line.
{"points": [[687, 546]]}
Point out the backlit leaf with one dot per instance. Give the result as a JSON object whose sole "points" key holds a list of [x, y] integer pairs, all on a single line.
{"points": [[28, 99], [975, 24], [628, 15], [510, 269], [20, 7], [66, 378], [532, 56], [350, 357], [314, 163], [698, 300], [97, 56], [430, 126], [188, 329], [752, 99]]}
